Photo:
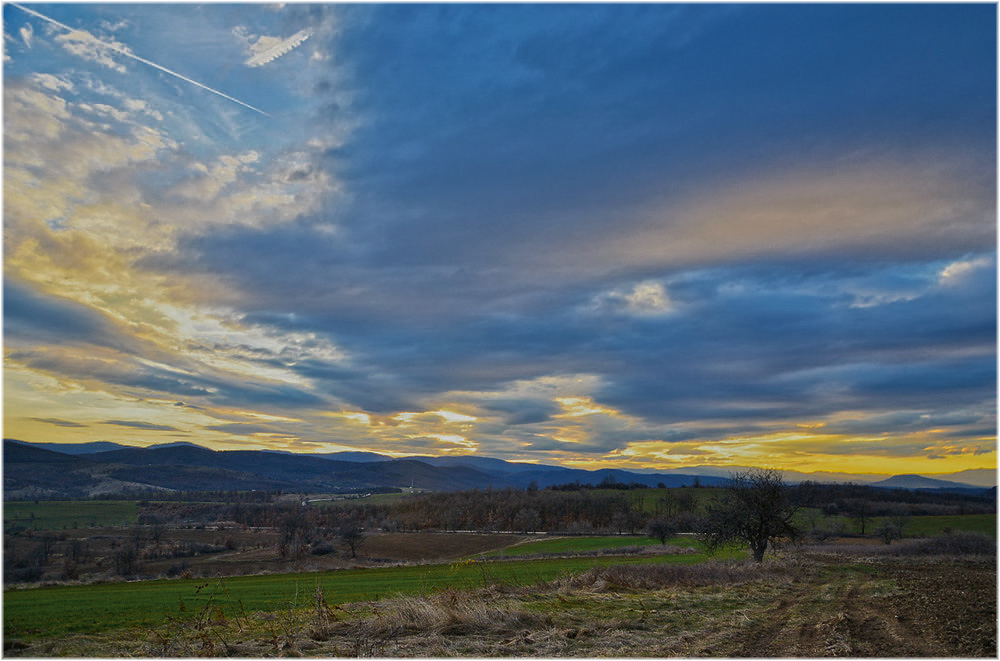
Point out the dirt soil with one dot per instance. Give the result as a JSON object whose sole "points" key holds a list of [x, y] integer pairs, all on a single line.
{"points": [[427, 546], [906, 608]]}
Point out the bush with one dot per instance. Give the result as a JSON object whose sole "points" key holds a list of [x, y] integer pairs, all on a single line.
{"points": [[322, 548], [177, 569]]}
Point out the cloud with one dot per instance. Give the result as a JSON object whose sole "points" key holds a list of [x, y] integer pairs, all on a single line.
{"points": [[727, 245], [268, 49], [85, 45], [54, 83], [60, 423], [31, 318], [647, 298], [27, 33], [140, 425]]}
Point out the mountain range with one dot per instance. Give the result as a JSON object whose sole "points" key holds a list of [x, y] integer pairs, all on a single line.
{"points": [[49, 470]]}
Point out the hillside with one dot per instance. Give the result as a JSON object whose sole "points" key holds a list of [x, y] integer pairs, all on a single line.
{"points": [[32, 472], [36, 470]]}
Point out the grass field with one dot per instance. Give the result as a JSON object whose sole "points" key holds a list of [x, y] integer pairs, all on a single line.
{"points": [[62, 610], [584, 544], [936, 525], [915, 525], [63, 514]]}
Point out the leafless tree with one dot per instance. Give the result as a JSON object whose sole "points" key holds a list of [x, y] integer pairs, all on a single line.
{"points": [[753, 509], [352, 537], [661, 529]]}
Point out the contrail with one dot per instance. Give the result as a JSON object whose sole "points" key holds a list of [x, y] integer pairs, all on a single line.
{"points": [[138, 59]]}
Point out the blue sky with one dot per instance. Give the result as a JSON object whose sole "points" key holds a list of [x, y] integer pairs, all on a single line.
{"points": [[647, 236]]}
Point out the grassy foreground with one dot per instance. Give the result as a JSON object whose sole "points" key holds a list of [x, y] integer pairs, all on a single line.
{"points": [[800, 605], [59, 610]]}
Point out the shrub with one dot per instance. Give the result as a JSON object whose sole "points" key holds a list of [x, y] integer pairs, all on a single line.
{"points": [[323, 548]]}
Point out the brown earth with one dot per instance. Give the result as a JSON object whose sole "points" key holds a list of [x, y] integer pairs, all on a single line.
{"points": [[427, 546]]}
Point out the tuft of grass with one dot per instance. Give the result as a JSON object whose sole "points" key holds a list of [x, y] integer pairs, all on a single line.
{"points": [[455, 612]]}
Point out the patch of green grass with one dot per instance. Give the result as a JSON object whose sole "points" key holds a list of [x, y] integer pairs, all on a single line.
{"points": [[936, 525], [63, 514], [915, 525], [584, 544], [79, 609]]}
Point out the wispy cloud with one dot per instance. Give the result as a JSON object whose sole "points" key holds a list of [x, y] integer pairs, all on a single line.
{"points": [[59, 423], [85, 44], [134, 424]]}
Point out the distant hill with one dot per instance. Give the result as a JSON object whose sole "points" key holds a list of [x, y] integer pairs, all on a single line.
{"points": [[918, 482], [980, 477], [20, 452], [36, 470], [359, 457], [175, 444], [76, 448], [487, 464], [31, 471]]}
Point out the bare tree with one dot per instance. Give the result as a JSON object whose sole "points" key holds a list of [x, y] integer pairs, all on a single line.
{"points": [[660, 529], [352, 537], [860, 509], [754, 509]]}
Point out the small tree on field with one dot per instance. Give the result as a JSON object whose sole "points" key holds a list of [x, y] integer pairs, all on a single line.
{"points": [[888, 531], [352, 537], [660, 529], [753, 509]]}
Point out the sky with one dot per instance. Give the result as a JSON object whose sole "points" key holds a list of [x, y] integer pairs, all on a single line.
{"points": [[639, 236]]}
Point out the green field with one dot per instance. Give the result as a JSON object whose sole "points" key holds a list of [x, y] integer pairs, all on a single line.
{"points": [[936, 525], [584, 544], [63, 514], [915, 525], [62, 610]]}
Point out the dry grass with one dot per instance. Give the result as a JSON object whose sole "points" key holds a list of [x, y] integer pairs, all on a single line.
{"points": [[654, 577]]}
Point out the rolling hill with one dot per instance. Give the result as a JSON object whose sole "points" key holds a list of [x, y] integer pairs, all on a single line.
{"points": [[37, 471]]}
